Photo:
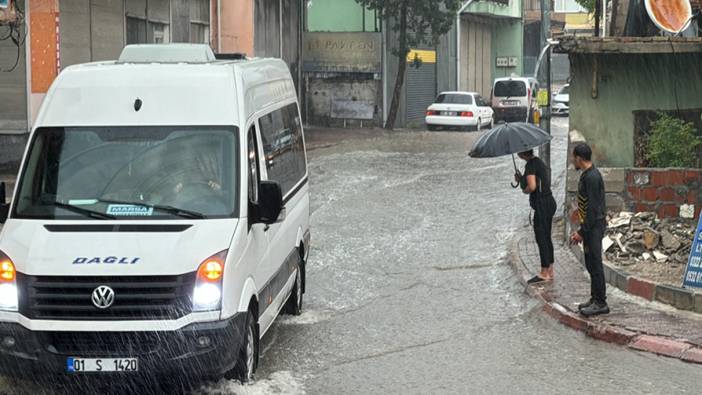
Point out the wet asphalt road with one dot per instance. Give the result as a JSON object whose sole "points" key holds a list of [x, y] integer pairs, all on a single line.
{"points": [[409, 290]]}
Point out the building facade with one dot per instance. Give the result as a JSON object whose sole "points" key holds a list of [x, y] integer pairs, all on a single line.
{"points": [[490, 46], [58, 33], [343, 64]]}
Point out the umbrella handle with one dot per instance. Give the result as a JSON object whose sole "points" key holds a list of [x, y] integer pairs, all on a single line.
{"points": [[514, 162]]}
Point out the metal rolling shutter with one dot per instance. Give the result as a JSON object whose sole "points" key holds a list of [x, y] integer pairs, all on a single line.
{"points": [[421, 90]]}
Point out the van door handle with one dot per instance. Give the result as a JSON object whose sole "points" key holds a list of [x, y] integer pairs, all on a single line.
{"points": [[265, 228]]}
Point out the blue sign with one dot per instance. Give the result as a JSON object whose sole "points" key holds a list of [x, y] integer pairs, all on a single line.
{"points": [[693, 274]]}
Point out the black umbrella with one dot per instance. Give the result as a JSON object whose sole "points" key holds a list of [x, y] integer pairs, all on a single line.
{"points": [[509, 139]]}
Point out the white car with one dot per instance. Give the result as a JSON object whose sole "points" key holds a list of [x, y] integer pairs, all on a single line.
{"points": [[460, 110], [561, 102]]}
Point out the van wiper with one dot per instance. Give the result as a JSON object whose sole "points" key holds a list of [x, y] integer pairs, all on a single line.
{"points": [[179, 212], [80, 210]]}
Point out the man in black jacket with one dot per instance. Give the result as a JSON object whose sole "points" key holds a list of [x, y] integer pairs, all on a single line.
{"points": [[591, 211]]}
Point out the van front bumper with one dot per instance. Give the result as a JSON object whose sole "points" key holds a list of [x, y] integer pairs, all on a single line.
{"points": [[198, 350]]}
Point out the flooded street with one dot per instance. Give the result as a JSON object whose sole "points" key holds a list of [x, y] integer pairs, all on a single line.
{"points": [[409, 291]]}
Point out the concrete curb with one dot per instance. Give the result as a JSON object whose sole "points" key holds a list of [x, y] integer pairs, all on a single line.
{"points": [[636, 340], [680, 298]]}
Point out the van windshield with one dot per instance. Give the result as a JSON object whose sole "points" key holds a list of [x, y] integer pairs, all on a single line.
{"points": [[510, 89], [130, 173]]}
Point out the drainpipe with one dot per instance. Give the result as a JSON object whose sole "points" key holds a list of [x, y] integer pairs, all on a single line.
{"points": [[458, 43], [604, 18], [280, 27], [219, 26], [28, 64]]}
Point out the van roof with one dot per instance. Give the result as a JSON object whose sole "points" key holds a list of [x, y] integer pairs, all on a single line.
{"points": [[171, 93]]}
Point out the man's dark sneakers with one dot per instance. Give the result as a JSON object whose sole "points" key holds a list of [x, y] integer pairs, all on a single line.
{"points": [[595, 309], [586, 304]]}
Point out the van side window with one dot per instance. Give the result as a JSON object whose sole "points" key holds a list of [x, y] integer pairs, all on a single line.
{"points": [[253, 165], [283, 146]]}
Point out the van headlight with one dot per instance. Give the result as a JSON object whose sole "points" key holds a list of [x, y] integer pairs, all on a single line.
{"points": [[207, 295], [8, 284]]}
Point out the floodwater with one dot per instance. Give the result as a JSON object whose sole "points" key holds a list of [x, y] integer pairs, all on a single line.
{"points": [[409, 291]]}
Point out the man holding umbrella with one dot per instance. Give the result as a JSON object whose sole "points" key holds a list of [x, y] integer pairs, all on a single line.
{"points": [[536, 182]]}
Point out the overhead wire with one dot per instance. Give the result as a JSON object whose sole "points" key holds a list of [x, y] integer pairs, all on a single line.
{"points": [[17, 34]]}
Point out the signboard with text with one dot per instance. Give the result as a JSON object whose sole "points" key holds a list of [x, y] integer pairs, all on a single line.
{"points": [[693, 274], [342, 52]]}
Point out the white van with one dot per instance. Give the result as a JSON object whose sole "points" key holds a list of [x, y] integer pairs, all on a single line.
{"points": [[514, 99], [160, 221]]}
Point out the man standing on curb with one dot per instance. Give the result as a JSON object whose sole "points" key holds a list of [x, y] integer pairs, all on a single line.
{"points": [[591, 211]]}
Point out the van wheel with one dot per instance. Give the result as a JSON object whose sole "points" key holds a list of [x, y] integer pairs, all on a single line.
{"points": [[294, 304], [492, 123], [247, 359], [479, 125], [432, 128]]}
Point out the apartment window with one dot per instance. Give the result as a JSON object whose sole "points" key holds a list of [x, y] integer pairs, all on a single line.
{"points": [[136, 30], [200, 21], [148, 21]]}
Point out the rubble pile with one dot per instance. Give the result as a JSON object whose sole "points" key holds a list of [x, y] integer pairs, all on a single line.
{"points": [[644, 238]]}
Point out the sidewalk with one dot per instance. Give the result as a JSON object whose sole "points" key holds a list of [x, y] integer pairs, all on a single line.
{"points": [[633, 322]]}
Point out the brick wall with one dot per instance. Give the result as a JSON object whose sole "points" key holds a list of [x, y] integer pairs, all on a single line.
{"points": [[664, 191]]}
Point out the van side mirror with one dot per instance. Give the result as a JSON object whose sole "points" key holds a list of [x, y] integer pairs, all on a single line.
{"points": [[270, 202], [4, 207]]}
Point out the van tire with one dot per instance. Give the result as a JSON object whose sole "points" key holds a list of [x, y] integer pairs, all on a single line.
{"points": [[432, 128], [294, 304], [247, 357]]}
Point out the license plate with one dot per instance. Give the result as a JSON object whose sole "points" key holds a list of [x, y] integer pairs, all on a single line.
{"points": [[80, 365], [510, 103], [448, 113]]}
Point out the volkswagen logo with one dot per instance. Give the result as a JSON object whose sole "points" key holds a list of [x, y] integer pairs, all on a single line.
{"points": [[103, 297]]}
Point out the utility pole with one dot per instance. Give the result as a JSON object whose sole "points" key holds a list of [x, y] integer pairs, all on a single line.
{"points": [[545, 122]]}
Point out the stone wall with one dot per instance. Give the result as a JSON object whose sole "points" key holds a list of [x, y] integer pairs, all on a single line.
{"points": [[668, 192]]}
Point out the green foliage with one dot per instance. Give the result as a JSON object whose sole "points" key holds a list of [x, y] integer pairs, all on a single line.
{"points": [[426, 20], [673, 143], [589, 5]]}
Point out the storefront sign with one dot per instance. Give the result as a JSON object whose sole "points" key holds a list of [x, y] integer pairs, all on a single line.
{"points": [[342, 52], [421, 56], [693, 274]]}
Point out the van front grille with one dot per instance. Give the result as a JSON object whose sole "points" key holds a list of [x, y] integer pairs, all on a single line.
{"points": [[135, 297], [103, 344]]}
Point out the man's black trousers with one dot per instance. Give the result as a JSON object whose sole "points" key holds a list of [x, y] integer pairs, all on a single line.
{"points": [[592, 243]]}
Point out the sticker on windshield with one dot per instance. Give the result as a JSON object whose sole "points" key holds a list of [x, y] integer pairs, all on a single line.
{"points": [[128, 210]]}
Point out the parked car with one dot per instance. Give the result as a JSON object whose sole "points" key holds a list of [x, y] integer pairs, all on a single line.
{"points": [[561, 102], [459, 110], [514, 98]]}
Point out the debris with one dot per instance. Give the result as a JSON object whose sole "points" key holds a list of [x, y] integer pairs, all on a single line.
{"points": [[670, 242], [618, 239], [651, 239], [647, 240], [623, 219], [660, 257]]}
